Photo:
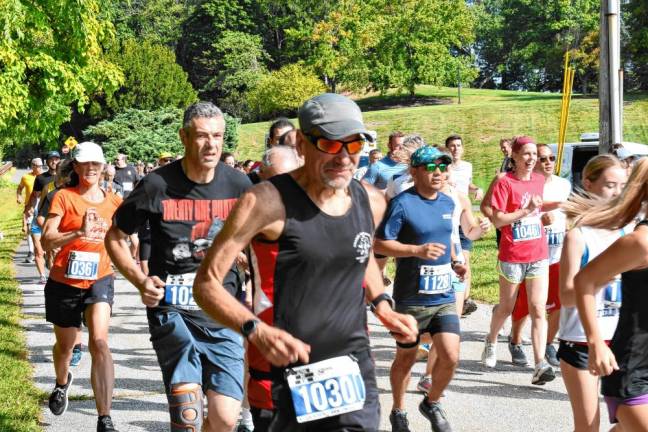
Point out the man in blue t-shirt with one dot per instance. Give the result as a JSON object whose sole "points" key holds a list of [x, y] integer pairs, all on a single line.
{"points": [[379, 173], [417, 230]]}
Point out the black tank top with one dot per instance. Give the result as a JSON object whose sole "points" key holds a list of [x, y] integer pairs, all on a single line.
{"points": [[319, 271], [630, 341]]}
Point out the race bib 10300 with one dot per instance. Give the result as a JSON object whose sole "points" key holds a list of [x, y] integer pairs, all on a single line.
{"points": [[178, 291], [435, 279], [326, 388], [82, 265]]}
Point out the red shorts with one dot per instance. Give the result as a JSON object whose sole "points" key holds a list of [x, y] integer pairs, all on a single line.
{"points": [[521, 308]]}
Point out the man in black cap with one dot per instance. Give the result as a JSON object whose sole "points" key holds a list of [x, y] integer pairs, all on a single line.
{"points": [[311, 234]]}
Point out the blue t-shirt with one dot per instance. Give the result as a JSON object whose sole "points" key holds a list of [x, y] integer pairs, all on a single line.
{"points": [[381, 172], [412, 219]]}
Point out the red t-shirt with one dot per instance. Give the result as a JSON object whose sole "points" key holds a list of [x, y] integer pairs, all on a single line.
{"points": [[523, 241], [71, 207]]}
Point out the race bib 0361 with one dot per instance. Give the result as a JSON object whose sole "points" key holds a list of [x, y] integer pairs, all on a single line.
{"points": [[82, 265]]}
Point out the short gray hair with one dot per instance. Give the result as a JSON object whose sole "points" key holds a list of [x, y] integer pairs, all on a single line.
{"points": [[200, 110], [285, 152], [411, 143]]}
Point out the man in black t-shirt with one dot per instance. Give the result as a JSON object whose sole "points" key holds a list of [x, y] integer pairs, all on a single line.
{"points": [[185, 203], [311, 232], [125, 174]]}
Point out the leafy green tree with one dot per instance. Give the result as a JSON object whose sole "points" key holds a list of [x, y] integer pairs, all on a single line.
{"points": [[51, 57], [152, 78], [421, 42], [142, 135], [242, 65], [204, 27], [636, 18], [282, 92]]}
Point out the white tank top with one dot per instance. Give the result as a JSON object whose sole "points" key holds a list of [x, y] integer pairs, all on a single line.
{"points": [[456, 223], [608, 299]]}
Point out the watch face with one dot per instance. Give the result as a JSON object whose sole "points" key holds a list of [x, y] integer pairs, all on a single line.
{"points": [[248, 327]]}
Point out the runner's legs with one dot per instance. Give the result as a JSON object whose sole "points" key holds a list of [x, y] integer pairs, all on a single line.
{"points": [[103, 371], [582, 388]]}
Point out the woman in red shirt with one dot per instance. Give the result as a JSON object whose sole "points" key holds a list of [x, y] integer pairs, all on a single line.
{"points": [[81, 281]]}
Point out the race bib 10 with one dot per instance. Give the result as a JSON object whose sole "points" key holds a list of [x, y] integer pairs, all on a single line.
{"points": [[82, 265], [611, 300], [326, 388], [528, 228], [178, 291], [435, 279]]}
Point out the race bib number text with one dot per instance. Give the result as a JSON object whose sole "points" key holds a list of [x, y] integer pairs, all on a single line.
{"points": [[611, 300], [178, 291], [82, 265], [325, 389], [435, 279], [526, 229]]}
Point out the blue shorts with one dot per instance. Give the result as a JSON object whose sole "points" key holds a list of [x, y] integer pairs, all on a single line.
{"points": [[457, 285], [35, 228], [189, 353]]}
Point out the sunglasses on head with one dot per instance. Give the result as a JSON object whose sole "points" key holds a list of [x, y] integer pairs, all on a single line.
{"points": [[330, 146], [544, 159]]}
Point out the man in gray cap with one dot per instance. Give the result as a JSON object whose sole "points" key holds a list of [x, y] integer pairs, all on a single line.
{"points": [[311, 234]]}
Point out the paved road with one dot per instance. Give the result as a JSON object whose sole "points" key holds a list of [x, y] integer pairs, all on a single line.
{"points": [[477, 400]]}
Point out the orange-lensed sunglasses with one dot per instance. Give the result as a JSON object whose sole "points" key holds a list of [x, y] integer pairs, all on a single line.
{"points": [[330, 146]]}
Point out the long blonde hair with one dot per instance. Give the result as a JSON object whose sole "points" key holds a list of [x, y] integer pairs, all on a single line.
{"points": [[619, 211]]}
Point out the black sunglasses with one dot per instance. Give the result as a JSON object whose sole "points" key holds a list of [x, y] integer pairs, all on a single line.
{"points": [[544, 159]]}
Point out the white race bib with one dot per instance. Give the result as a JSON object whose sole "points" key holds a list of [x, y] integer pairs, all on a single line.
{"points": [[82, 265], [528, 228], [178, 291], [435, 279], [611, 304], [127, 186], [555, 239], [326, 388]]}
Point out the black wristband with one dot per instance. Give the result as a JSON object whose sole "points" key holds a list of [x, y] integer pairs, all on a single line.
{"points": [[382, 297]]}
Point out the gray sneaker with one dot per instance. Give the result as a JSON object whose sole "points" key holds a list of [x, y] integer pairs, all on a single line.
{"points": [[517, 355], [398, 420], [551, 355], [543, 373], [433, 412]]}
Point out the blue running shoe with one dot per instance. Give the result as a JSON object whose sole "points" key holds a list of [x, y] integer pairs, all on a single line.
{"points": [[76, 355]]}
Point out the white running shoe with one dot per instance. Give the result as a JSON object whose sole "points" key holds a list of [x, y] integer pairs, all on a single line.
{"points": [[489, 356]]}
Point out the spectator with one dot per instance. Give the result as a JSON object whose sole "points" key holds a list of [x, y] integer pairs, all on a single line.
{"points": [[507, 162], [108, 182], [25, 187], [277, 129], [228, 159], [125, 174], [165, 158]]}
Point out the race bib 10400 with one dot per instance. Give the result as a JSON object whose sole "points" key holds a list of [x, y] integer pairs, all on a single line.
{"points": [[178, 291], [326, 388], [82, 265], [528, 228], [435, 279]]}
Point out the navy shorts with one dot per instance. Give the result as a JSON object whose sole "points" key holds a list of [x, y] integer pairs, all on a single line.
{"points": [[189, 353], [466, 244], [575, 355], [366, 419], [432, 319], [65, 304]]}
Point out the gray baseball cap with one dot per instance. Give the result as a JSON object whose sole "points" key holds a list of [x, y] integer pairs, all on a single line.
{"points": [[332, 116]]}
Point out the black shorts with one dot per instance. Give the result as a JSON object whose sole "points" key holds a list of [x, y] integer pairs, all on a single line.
{"points": [[575, 355], [65, 304], [261, 418], [144, 250], [366, 419]]}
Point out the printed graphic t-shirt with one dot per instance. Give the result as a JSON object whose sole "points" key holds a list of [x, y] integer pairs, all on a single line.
{"points": [[524, 241], [184, 218], [71, 207]]}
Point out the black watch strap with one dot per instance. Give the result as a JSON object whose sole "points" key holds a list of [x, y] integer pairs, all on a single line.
{"points": [[249, 327], [382, 297]]}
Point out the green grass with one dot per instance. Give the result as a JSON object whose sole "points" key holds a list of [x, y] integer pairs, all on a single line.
{"points": [[19, 398], [483, 117]]}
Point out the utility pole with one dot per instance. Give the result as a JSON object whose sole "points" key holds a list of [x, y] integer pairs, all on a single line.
{"points": [[610, 75]]}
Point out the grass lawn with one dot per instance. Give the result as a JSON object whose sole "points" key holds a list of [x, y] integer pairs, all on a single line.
{"points": [[483, 117], [19, 398]]}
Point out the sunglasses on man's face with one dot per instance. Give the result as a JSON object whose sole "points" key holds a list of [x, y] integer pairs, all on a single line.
{"points": [[544, 159], [329, 146], [433, 167]]}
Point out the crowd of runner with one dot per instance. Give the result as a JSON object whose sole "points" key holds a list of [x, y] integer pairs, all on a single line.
{"points": [[262, 272]]}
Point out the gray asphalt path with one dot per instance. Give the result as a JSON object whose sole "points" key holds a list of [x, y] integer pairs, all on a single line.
{"points": [[497, 400]]}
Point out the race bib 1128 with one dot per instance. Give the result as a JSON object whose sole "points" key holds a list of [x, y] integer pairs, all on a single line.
{"points": [[435, 279]]}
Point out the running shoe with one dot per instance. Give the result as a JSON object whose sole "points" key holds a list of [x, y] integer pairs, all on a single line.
{"points": [[489, 355], [387, 281], [543, 373], [517, 354], [29, 258], [551, 355], [398, 420], [433, 412], [423, 351], [76, 355], [424, 384], [105, 424], [58, 400], [469, 307]]}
